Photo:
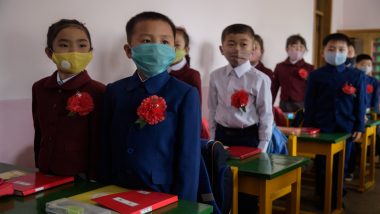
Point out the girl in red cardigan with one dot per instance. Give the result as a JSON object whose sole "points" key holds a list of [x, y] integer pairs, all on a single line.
{"points": [[66, 105]]}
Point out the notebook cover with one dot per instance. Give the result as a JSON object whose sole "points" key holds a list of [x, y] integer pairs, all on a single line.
{"points": [[135, 201], [5, 188], [87, 197], [297, 131], [35, 182], [242, 152]]}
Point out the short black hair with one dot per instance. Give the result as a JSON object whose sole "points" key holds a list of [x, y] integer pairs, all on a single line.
{"points": [[237, 28], [259, 40], [144, 16], [294, 39], [55, 28], [336, 37], [362, 57]]}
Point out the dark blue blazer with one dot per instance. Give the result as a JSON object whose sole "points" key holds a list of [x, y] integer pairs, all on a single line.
{"points": [[328, 107], [164, 157], [372, 100]]}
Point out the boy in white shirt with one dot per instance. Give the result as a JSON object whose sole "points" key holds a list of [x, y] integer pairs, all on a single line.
{"points": [[240, 100]]}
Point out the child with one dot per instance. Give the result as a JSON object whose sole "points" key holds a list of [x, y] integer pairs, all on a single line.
{"points": [[335, 102], [151, 119], [258, 51], [181, 65], [291, 75], [364, 63], [250, 123], [67, 105], [246, 123], [350, 61]]}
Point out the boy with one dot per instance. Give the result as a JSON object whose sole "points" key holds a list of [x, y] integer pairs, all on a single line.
{"points": [[335, 101], [364, 63], [291, 75], [249, 124], [350, 61], [152, 120]]}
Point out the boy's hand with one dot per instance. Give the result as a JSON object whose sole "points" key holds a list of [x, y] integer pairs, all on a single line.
{"points": [[356, 136]]}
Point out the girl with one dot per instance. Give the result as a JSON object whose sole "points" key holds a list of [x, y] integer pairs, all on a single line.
{"points": [[181, 65], [66, 105], [291, 75], [258, 52]]}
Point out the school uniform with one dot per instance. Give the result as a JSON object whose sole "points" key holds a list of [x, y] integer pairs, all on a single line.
{"points": [[261, 67], [329, 108], [63, 144], [230, 125], [372, 89], [182, 71], [286, 76], [164, 157]]}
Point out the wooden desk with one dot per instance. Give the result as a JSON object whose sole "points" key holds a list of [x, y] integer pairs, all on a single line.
{"points": [[270, 177], [368, 139], [327, 144], [36, 203]]}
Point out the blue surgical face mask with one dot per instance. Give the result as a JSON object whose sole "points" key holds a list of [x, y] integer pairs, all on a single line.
{"points": [[153, 59], [335, 58], [366, 69]]}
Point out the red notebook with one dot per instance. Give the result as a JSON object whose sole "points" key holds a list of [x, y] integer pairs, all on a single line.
{"points": [[242, 152], [297, 131], [5, 188], [35, 182], [135, 201]]}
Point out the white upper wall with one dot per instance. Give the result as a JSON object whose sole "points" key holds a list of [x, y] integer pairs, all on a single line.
{"points": [[24, 25], [353, 14]]}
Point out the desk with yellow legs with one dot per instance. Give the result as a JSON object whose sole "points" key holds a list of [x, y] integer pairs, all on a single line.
{"points": [[269, 177], [327, 144], [368, 139]]}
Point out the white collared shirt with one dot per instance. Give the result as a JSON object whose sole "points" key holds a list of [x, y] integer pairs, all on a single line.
{"points": [[227, 80], [61, 82], [178, 66]]}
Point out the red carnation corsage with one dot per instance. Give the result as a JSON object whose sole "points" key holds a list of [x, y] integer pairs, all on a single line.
{"points": [[240, 99], [151, 110], [303, 73], [349, 89], [80, 103], [369, 89]]}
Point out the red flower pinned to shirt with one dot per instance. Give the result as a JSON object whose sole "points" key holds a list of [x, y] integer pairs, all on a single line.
{"points": [[349, 89], [240, 99], [151, 110], [80, 103], [303, 73], [369, 89]]}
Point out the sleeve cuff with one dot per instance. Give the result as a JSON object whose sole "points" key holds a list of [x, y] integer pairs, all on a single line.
{"points": [[263, 145]]}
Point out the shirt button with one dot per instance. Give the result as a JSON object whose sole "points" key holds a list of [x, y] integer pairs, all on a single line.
{"points": [[130, 150], [54, 105], [59, 91]]}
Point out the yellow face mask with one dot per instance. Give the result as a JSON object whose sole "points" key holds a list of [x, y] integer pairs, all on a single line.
{"points": [[179, 54], [72, 62]]}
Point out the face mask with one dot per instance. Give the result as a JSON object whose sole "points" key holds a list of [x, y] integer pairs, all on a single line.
{"points": [[366, 69], [72, 62], [335, 58], [295, 56], [153, 59], [179, 54]]}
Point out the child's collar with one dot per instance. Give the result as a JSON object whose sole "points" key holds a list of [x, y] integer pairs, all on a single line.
{"points": [[240, 70]]}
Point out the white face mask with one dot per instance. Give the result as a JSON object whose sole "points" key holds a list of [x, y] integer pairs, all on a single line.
{"points": [[295, 56], [366, 69]]}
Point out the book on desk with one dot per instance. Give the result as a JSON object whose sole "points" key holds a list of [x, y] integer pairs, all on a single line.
{"points": [[298, 130], [136, 201], [34, 182], [242, 152]]}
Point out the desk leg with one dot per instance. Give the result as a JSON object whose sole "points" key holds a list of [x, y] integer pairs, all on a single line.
{"points": [[362, 165], [372, 157], [339, 200], [328, 183], [296, 194], [265, 203]]}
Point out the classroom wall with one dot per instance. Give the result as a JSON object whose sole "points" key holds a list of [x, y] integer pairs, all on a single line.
{"points": [[24, 25]]}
